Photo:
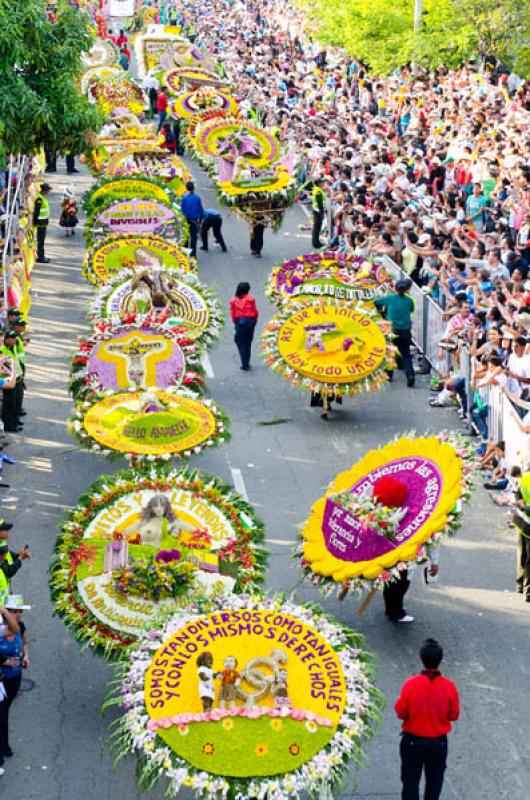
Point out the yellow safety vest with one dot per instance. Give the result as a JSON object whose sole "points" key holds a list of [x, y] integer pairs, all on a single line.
{"points": [[4, 581], [44, 210], [16, 356], [314, 197]]}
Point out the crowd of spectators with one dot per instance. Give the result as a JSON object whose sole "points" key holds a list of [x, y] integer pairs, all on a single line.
{"points": [[430, 169]]}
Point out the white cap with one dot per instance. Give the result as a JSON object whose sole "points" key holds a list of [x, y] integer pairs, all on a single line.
{"points": [[15, 602]]}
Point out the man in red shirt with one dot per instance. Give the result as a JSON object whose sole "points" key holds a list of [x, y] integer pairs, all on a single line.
{"points": [[428, 703], [161, 107]]}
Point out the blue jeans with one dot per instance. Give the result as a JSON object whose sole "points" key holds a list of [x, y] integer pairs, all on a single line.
{"points": [[480, 418], [244, 334], [460, 389]]}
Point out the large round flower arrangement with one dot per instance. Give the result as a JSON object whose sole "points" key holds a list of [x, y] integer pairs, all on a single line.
{"points": [[347, 277], [150, 161], [116, 358], [329, 347], [149, 424], [97, 73], [201, 101], [138, 216], [111, 255], [270, 699], [178, 79], [119, 92], [162, 517], [231, 139], [102, 53], [386, 512], [191, 306], [106, 191]]}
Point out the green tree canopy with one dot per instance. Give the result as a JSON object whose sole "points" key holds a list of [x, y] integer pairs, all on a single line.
{"points": [[451, 32], [40, 64]]}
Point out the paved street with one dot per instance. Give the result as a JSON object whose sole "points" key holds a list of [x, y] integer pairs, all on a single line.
{"points": [[472, 610]]}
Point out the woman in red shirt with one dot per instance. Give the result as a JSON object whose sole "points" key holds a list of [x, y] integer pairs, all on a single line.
{"points": [[244, 313]]}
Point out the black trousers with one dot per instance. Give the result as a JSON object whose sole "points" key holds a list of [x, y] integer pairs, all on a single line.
{"points": [[193, 226], [19, 398], [522, 580], [403, 342], [256, 238], [70, 162], [318, 219], [11, 686], [243, 336], [393, 594], [418, 754], [41, 238], [214, 224], [9, 409]]}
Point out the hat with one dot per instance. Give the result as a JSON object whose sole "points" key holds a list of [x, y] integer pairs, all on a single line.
{"points": [[5, 526], [69, 191], [403, 284], [401, 167], [10, 334], [20, 321], [14, 312], [15, 602], [45, 187]]}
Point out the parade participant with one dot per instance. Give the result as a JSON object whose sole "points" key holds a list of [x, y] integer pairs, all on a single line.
{"points": [[13, 659], [13, 314], [244, 313], [319, 207], [257, 229], [427, 705], [13, 396], [191, 206], [68, 219], [399, 308], [214, 221], [161, 106], [41, 218], [521, 521]]}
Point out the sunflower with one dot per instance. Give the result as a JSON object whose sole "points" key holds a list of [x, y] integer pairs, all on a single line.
{"points": [[183, 730], [261, 749], [276, 724], [228, 724], [208, 749], [311, 726], [294, 749]]}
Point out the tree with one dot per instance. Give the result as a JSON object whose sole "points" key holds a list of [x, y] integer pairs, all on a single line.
{"points": [[40, 64], [451, 31]]}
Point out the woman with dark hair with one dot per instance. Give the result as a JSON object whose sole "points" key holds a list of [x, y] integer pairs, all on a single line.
{"points": [[244, 313]]}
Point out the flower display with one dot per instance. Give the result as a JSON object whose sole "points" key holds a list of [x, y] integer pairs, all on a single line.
{"points": [[386, 512], [111, 520], [192, 308], [344, 276], [329, 347], [118, 91], [281, 746], [148, 424], [204, 100], [136, 355]]}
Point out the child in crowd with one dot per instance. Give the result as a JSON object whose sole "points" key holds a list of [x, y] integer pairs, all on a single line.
{"points": [[68, 219]]}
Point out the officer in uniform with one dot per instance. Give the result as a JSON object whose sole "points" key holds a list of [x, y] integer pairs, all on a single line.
{"points": [[521, 521], [10, 562], [41, 218], [13, 396], [319, 206]]}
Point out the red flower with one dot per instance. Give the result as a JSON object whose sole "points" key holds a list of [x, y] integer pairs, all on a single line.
{"points": [[390, 491]]}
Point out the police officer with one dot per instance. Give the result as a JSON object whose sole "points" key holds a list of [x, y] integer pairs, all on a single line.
{"points": [[41, 218], [10, 562], [319, 206], [13, 395], [399, 309], [213, 220], [521, 521]]}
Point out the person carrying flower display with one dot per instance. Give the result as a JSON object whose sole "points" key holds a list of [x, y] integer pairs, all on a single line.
{"points": [[399, 309]]}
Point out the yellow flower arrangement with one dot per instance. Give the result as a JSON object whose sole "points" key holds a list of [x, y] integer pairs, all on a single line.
{"points": [[429, 454]]}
